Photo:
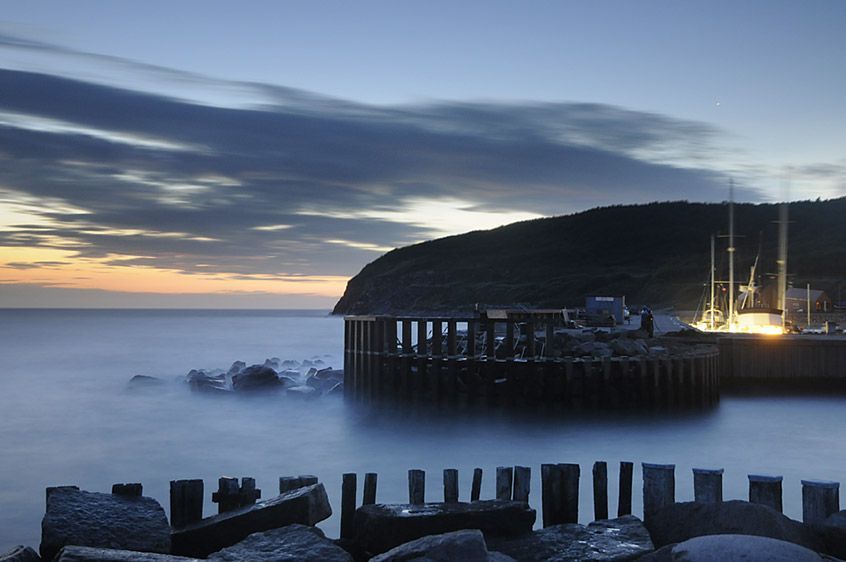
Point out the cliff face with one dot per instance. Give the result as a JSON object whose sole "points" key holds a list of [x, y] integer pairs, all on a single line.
{"points": [[656, 254]]}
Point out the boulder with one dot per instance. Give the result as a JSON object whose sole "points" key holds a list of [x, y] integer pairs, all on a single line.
{"points": [[236, 368], [628, 348], [82, 518], [255, 377], [681, 521], [381, 527], [274, 363], [201, 381], [144, 381], [724, 548], [467, 546], [89, 554], [20, 554], [307, 505], [295, 543], [612, 540]]}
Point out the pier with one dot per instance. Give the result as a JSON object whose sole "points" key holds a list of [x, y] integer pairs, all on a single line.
{"points": [[508, 360]]}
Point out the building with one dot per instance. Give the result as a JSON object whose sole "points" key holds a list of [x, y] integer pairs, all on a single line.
{"points": [[796, 300], [605, 307]]}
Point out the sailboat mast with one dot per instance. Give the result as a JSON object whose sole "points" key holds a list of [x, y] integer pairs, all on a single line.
{"points": [[731, 257], [713, 283], [782, 260]]}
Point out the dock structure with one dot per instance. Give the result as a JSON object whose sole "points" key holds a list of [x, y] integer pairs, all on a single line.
{"points": [[782, 358], [508, 360]]}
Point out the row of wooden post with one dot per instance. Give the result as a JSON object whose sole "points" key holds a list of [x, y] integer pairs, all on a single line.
{"points": [[560, 491]]}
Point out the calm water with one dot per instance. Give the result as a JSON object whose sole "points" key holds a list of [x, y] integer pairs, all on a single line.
{"points": [[68, 418]]}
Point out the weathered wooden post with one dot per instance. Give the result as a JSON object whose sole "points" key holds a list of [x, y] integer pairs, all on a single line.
{"points": [[476, 487], [130, 490], [228, 494], [422, 336], [369, 493], [406, 336], [452, 337], [471, 338], [522, 483], [624, 501], [509, 338], [416, 486], [659, 487], [490, 338], [288, 483], [550, 336], [820, 498], [560, 493], [348, 489], [450, 485], [186, 502], [531, 351], [248, 492], [504, 482], [708, 485], [437, 337], [765, 490], [600, 490]]}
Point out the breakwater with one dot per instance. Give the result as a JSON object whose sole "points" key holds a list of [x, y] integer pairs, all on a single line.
{"points": [[504, 361], [782, 358]]}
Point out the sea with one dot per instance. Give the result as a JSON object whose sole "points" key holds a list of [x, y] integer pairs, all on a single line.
{"points": [[68, 417]]}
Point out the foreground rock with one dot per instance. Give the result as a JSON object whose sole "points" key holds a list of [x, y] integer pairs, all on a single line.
{"points": [[468, 546], [725, 548], [380, 527], [20, 554], [81, 518], [613, 540], [89, 554], [682, 521], [832, 533], [307, 505], [255, 377], [292, 543]]}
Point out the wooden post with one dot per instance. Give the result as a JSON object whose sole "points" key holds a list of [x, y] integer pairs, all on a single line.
{"points": [[504, 482], [416, 486], [288, 483], [248, 491], [530, 340], [550, 336], [228, 494], [437, 337], [348, 489], [132, 490], [509, 338], [600, 490], [186, 502], [708, 485], [450, 485], [452, 338], [765, 490], [490, 338], [406, 336], [570, 491], [522, 484], [560, 493], [659, 487], [471, 338], [369, 495], [476, 489], [820, 498], [422, 337], [624, 501]]}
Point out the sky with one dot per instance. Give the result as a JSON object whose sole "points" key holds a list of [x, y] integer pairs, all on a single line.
{"points": [[258, 154]]}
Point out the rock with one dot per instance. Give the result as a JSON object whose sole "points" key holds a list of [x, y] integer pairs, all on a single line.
{"points": [[324, 380], [302, 391], [381, 527], [612, 540], [628, 348], [832, 533], [289, 364], [274, 363], [467, 546], [681, 521], [201, 381], [255, 377], [295, 543], [725, 548], [307, 505], [337, 388], [89, 554], [20, 554], [82, 518], [144, 381], [236, 368]]}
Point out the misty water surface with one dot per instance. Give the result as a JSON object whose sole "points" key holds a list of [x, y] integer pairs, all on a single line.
{"points": [[68, 418]]}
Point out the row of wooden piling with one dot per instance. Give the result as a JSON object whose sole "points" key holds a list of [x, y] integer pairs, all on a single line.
{"points": [[746, 357], [560, 491], [380, 365]]}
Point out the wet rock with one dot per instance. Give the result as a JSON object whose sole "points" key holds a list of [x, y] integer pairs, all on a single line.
{"points": [[307, 505], [325, 379], [289, 364], [832, 533], [628, 348], [381, 527], [467, 546], [255, 377], [681, 521], [273, 363], [302, 391], [144, 381], [201, 381], [89, 554], [612, 540], [298, 543], [236, 368], [20, 554], [725, 548], [82, 518]]}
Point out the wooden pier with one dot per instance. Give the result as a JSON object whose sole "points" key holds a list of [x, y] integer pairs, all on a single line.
{"points": [[503, 361], [782, 358]]}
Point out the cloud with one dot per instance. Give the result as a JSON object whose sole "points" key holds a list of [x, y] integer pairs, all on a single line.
{"points": [[303, 184]]}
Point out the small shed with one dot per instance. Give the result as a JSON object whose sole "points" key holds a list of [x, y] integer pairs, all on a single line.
{"points": [[605, 306], [796, 300]]}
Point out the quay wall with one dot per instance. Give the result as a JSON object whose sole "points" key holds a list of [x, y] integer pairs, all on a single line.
{"points": [[782, 358]]}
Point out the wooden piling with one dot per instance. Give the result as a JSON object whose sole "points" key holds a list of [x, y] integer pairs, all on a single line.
{"points": [[348, 489], [522, 484], [452, 338], [504, 482], [416, 486], [406, 336], [437, 337], [470, 348], [422, 336], [766, 490], [624, 502], [369, 493], [820, 498], [476, 488], [708, 485], [288, 483], [560, 493], [227, 496], [531, 351], [130, 490], [550, 336], [450, 485], [600, 490], [248, 492], [490, 338], [186, 502], [659, 487]]}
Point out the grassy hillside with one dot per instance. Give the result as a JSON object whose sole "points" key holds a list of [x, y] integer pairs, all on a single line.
{"points": [[656, 253]]}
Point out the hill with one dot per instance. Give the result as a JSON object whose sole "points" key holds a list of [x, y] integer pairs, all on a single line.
{"points": [[656, 253]]}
